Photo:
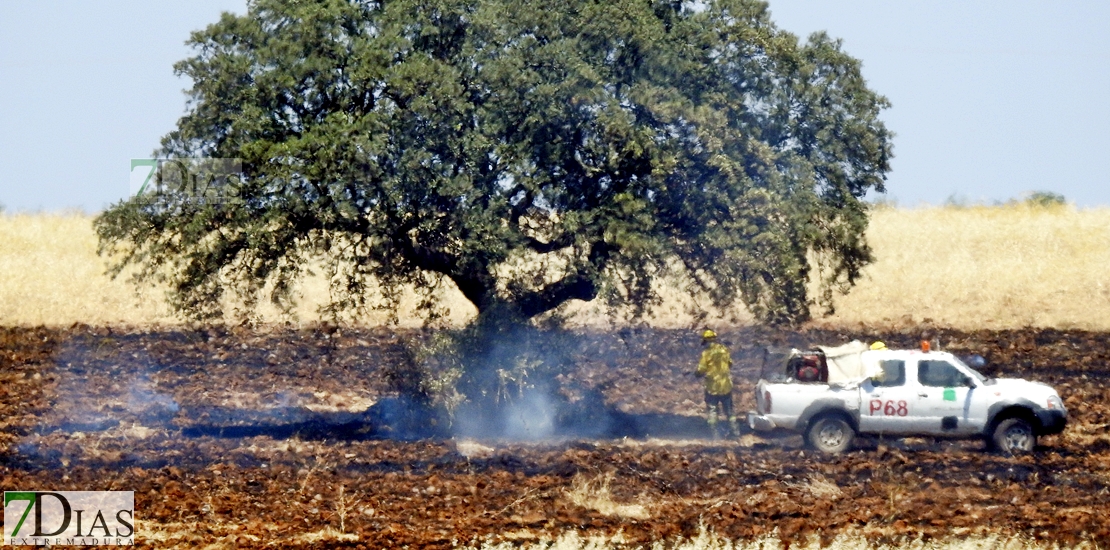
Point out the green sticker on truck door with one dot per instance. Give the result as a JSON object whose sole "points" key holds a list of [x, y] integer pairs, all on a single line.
{"points": [[949, 394]]}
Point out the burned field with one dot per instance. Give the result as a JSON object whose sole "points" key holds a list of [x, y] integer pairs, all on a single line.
{"points": [[292, 437]]}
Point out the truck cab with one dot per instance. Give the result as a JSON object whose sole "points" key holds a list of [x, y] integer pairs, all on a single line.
{"points": [[909, 393]]}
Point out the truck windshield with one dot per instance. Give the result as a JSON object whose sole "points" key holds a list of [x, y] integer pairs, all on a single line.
{"points": [[978, 375]]}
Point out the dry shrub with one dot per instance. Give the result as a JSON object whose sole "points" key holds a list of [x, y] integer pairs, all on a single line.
{"points": [[819, 486], [594, 494], [327, 534]]}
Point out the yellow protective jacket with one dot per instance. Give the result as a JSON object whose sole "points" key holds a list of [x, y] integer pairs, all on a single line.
{"points": [[714, 366]]}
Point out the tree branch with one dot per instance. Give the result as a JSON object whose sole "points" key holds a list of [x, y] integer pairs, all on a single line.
{"points": [[541, 247], [576, 286]]}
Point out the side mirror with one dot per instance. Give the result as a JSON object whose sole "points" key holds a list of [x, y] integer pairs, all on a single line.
{"points": [[976, 362], [969, 382]]}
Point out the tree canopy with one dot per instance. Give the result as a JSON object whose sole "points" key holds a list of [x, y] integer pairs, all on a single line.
{"points": [[530, 153]]}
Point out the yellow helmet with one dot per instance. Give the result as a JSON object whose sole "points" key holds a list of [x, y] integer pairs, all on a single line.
{"points": [[708, 335], [878, 345]]}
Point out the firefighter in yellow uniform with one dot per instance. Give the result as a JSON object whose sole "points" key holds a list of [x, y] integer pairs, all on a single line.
{"points": [[715, 366]]}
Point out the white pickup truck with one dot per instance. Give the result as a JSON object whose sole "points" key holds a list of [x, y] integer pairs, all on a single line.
{"points": [[832, 394]]}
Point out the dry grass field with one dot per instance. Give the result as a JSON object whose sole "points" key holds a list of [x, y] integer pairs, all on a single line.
{"points": [[961, 267], [985, 268]]}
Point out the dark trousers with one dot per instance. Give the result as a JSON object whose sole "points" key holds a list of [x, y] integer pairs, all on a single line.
{"points": [[712, 402]]}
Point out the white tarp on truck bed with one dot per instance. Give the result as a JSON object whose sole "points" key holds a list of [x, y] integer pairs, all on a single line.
{"points": [[846, 364]]}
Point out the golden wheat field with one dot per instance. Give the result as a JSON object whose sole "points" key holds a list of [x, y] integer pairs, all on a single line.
{"points": [[988, 267]]}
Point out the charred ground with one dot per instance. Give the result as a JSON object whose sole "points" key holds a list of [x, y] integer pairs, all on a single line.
{"points": [[251, 437]]}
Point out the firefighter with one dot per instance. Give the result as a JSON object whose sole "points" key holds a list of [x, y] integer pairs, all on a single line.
{"points": [[715, 367], [879, 377]]}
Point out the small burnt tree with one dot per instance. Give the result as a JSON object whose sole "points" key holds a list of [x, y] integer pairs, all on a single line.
{"points": [[528, 153]]}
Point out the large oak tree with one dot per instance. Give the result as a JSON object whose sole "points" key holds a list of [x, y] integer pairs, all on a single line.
{"points": [[529, 153]]}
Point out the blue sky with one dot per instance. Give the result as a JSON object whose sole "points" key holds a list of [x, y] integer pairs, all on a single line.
{"points": [[991, 99]]}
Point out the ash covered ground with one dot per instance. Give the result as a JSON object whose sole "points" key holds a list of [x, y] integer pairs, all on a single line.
{"points": [[292, 437]]}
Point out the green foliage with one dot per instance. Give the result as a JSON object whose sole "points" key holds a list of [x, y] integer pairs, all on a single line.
{"points": [[488, 363], [1045, 199], [530, 153], [956, 200], [430, 371]]}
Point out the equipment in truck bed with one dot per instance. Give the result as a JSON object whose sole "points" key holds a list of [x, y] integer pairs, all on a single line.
{"points": [[793, 365], [824, 364]]}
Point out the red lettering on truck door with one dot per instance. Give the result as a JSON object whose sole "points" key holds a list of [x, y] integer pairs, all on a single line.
{"points": [[889, 408]]}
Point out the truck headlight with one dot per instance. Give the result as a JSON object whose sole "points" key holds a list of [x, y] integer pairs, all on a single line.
{"points": [[1054, 403]]}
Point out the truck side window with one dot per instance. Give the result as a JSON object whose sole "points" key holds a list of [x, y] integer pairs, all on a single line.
{"points": [[894, 374], [940, 374]]}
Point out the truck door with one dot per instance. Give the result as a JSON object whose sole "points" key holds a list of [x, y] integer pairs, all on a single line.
{"points": [[886, 402], [944, 400]]}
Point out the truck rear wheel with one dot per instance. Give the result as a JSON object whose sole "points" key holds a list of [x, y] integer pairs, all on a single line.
{"points": [[1014, 436], [830, 434]]}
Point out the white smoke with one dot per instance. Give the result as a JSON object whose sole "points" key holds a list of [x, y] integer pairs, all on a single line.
{"points": [[530, 418]]}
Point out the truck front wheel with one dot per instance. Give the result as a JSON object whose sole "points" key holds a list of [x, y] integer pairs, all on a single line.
{"points": [[1014, 436], [830, 434]]}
